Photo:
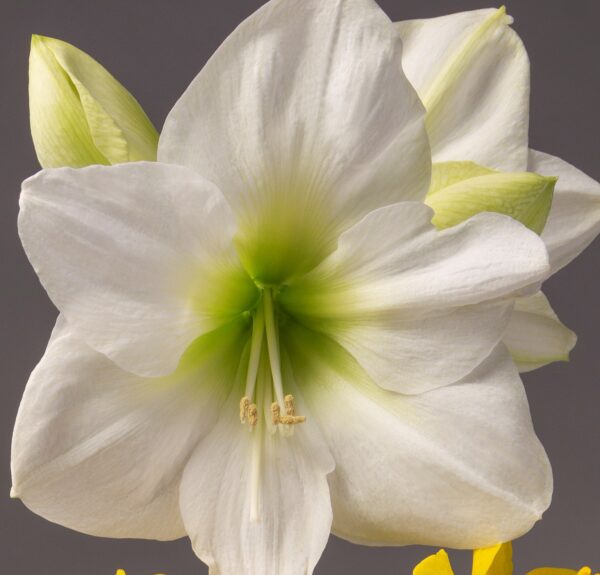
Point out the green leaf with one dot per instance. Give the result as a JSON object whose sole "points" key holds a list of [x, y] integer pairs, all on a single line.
{"points": [[459, 190], [79, 113]]}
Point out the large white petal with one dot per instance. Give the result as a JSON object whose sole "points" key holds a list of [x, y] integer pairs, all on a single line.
{"points": [[258, 502], [459, 466], [417, 307], [535, 336], [305, 120], [138, 257], [471, 71], [418, 354], [102, 451], [574, 219]]}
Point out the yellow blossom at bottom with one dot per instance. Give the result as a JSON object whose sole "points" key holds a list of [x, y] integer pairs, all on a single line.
{"points": [[554, 571], [496, 560], [122, 572]]}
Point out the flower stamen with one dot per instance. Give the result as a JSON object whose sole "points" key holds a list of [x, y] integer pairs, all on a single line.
{"points": [[290, 408], [248, 411], [290, 418], [252, 415], [244, 406], [264, 325]]}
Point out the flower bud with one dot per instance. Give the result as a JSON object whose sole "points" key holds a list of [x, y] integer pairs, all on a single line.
{"points": [[79, 113], [460, 190]]}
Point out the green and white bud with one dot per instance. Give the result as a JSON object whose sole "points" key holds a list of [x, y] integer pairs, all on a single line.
{"points": [[460, 190], [79, 113]]}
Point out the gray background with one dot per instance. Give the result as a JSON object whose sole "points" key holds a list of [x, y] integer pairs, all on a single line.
{"points": [[155, 48]]}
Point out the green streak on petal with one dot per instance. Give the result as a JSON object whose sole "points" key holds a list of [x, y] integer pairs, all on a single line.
{"points": [[221, 347], [79, 113], [223, 292], [312, 354], [433, 97], [320, 302], [319, 362], [462, 189], [285, 226], [211, 368]]}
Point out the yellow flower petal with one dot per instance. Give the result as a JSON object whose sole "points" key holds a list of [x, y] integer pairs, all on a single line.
{"points": [[554, 571], [437, 564], [496, 560]]}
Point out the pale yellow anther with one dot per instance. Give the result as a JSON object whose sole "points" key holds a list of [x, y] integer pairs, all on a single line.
{"points": [[290, 408], [275, 413], [252, 414], [244, 406], [248, 411], [290, 418]]}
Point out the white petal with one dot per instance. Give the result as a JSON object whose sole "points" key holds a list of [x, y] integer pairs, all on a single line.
{"points": [[258, 502], [419, 354], [305, 120], [472, 73], [459, 466], [137, 257], [102, 451], [574, 219], [419, 308], [535, 336]]}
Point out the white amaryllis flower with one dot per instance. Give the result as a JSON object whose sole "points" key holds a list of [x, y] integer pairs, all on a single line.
{"points": [[472, 74], [262, 336]]}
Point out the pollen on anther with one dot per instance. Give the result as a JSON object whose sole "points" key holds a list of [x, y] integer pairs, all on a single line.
{"points": [[244, 406], [290, 408], [248, 411], [290, 418], [275, 413], [252, 414]]}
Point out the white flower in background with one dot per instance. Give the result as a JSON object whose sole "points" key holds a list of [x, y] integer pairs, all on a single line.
{"points": [[471, 72], [263, 338]]}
